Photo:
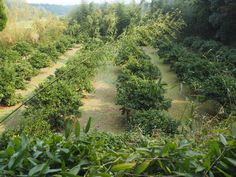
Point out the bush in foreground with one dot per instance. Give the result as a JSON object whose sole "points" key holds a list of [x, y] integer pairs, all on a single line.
{"points": [[153, 120], [107, 155]]}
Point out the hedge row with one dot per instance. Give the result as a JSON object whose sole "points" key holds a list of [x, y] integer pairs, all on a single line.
{"points": [[62, 99], [140, 91], [213, 50], [208, 78], [20, 63]]}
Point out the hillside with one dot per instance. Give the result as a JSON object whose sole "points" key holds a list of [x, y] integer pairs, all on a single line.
{"points": [[58, 10]]}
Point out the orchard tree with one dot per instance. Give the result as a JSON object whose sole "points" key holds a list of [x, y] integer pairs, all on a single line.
{"points": [[3, 15]]}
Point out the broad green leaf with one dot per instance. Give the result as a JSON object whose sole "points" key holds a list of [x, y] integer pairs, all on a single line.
{"points": [[68, 127], [105, 175], [32, 161], [211, 174], [77, 129], [223, 172], [123, 166], [87, 128], [142, 167], [223, 140], [75, 170], [51, 171], [233, 130], [16, 159], [199, 169], [232, 161], [37, 169]]}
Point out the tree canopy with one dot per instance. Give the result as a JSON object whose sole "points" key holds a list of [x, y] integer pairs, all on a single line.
{"points": [[3, 15]]}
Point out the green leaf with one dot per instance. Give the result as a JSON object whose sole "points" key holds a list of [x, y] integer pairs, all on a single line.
{"points": [[37, 169], [123, 166], [68, 127], [75, 170], [223, 140], [105, 175], [142, 167], [211, 174], [223, 172], [233, 130], [77, 129], [232, 161], [87, 128]]}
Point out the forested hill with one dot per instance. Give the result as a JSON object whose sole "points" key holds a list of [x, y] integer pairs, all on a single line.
{"points": [[58, 10]]}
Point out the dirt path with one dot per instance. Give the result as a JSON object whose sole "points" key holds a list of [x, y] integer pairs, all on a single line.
{"points": [[101, 104], [35, 81], [180, 106]]}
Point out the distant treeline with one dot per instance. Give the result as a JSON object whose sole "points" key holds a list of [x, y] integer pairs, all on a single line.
{"points": [[58, 10]]}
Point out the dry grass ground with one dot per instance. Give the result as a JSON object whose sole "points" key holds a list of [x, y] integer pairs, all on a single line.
{"points": [[33, 84], [100, 105]]}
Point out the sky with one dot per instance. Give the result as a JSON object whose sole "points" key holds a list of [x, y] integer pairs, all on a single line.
{"points": [[70, 2]]}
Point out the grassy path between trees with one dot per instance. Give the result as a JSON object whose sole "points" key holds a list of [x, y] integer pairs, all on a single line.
{"points": [[34, 83], [100, 105], [180, 106]]}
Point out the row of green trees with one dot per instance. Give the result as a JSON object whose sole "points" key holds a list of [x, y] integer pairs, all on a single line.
{"points": [[59, 98], [103, 20], [140, 91], [20, 62], [207, 67]]}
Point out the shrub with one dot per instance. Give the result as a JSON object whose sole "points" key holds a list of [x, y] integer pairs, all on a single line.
{"points": [[64, 43], [129, 48], [36, 128], [40, 60], [172, 54], [221, 88], [7, 84], [140, 94], [23, 48], [142, 68], [193, 68], [151, 120], [103, 154], [9, 56], [60, 46], [24, 71], [188, 41], [50, 50], [56, 103]]}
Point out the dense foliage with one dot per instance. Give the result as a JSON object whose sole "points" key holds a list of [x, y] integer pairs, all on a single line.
{"points": [[208, 18], [102, 154], [157, 144], [207, 66], [22, 61], [3, 15], [60, 96], [153, 120]]}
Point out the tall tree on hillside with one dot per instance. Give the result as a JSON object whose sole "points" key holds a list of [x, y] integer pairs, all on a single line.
{"points": [[3, 15], [123, 18]]}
